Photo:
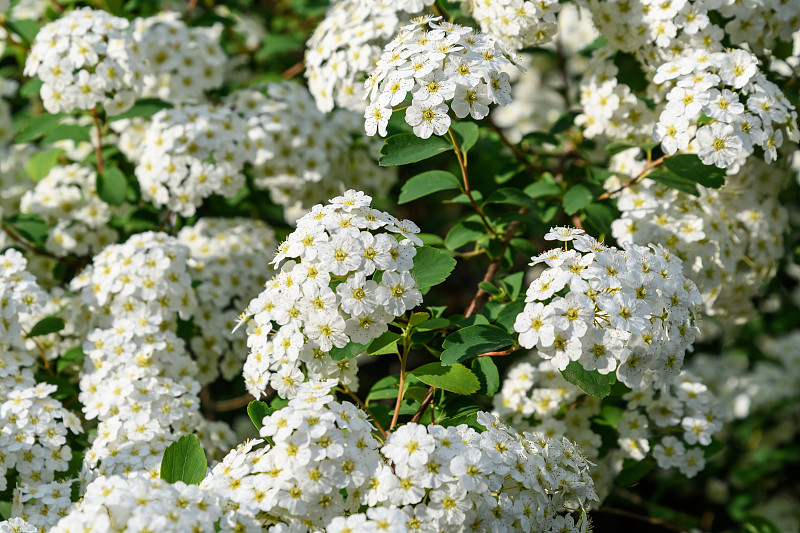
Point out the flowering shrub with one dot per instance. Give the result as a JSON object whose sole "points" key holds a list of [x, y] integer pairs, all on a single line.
{"points": [[411, 266]]}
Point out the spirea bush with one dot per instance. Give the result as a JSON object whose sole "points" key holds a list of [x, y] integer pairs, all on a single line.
{"points": [[428, 266]]}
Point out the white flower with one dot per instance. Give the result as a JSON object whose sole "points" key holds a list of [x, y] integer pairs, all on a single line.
{"points": [[718, 144], [397, 292], [427, 119]]}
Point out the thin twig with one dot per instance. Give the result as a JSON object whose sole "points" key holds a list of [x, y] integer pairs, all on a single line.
{"points": [[22, 242], [462, 164], [480, 298], [647, 168], [293, 71], [649, 520], [501, 352], [366, 409], [98, 150], [511, 146], [233, 403]]}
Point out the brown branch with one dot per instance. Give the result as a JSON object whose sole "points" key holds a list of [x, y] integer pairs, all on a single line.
{"points": [[462, 164], [577, 222], [501, 352], [233, 403], [511, 146], [98, 150], [479, 300], [293, 71], [25, 244], [647, 168], [649, 520]]}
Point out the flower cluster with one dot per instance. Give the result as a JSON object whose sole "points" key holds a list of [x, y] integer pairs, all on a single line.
{"points": [[340, 279], [345, 45], [535, 396], [323, 464], [179, 63], [139, 502], [517, 23], [67, 199], [33, 426], [285, 129], [227, 257], [446, 65], [16, 525], [629, 310], [190, 153], [85, 58], [145, 280], [730, 239], [138, 380], [730, 102]]}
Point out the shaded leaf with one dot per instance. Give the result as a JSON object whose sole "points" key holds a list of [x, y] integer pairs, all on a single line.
{"points": [[257, 410], [591, 382], [488, 375], [472, 341], [466, 134], [427, 183], [576, 198], [689, 167], [111, 186], [47, 325], [509, 195], [405, 148]]}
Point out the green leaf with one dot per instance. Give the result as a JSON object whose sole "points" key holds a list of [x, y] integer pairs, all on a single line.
{"points": [[667, 178], [38, 126], [609, 416], [541, 137], [599, 218], [432, 324], [689, 166], [630, 72], [386, 343], [184, 460], [633, 471], [257, 410], [72, 132], [418, 318], [405, 148], [759, 524], [464, 232], [47, 325], [27, 29], [591, 382], [31, 87], [41, 163], [489, 287], [432, 266], [350, 350], [115, 7], [509, 195], [488, 375], [576, 198], [564, 122], [454, 378], [470, 420], [72, 356], [466, 134], [30, 227], [472, 341], [617, 147], [427, 183], [385, 388], [508, 315], [145, 108], [111, 186]]}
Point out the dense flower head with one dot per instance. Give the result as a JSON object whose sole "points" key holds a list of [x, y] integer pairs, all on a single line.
{"points": [[180, 63], [138, 502], [534, 396], [631, 311], [328, 293], [729, 239], [344, 47], [324, 466], [443, 67], [517, 23], [67, 198], [145, 280], [85, 58], [303, 156], [189, 153], [727, 103], [227, 260]]}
